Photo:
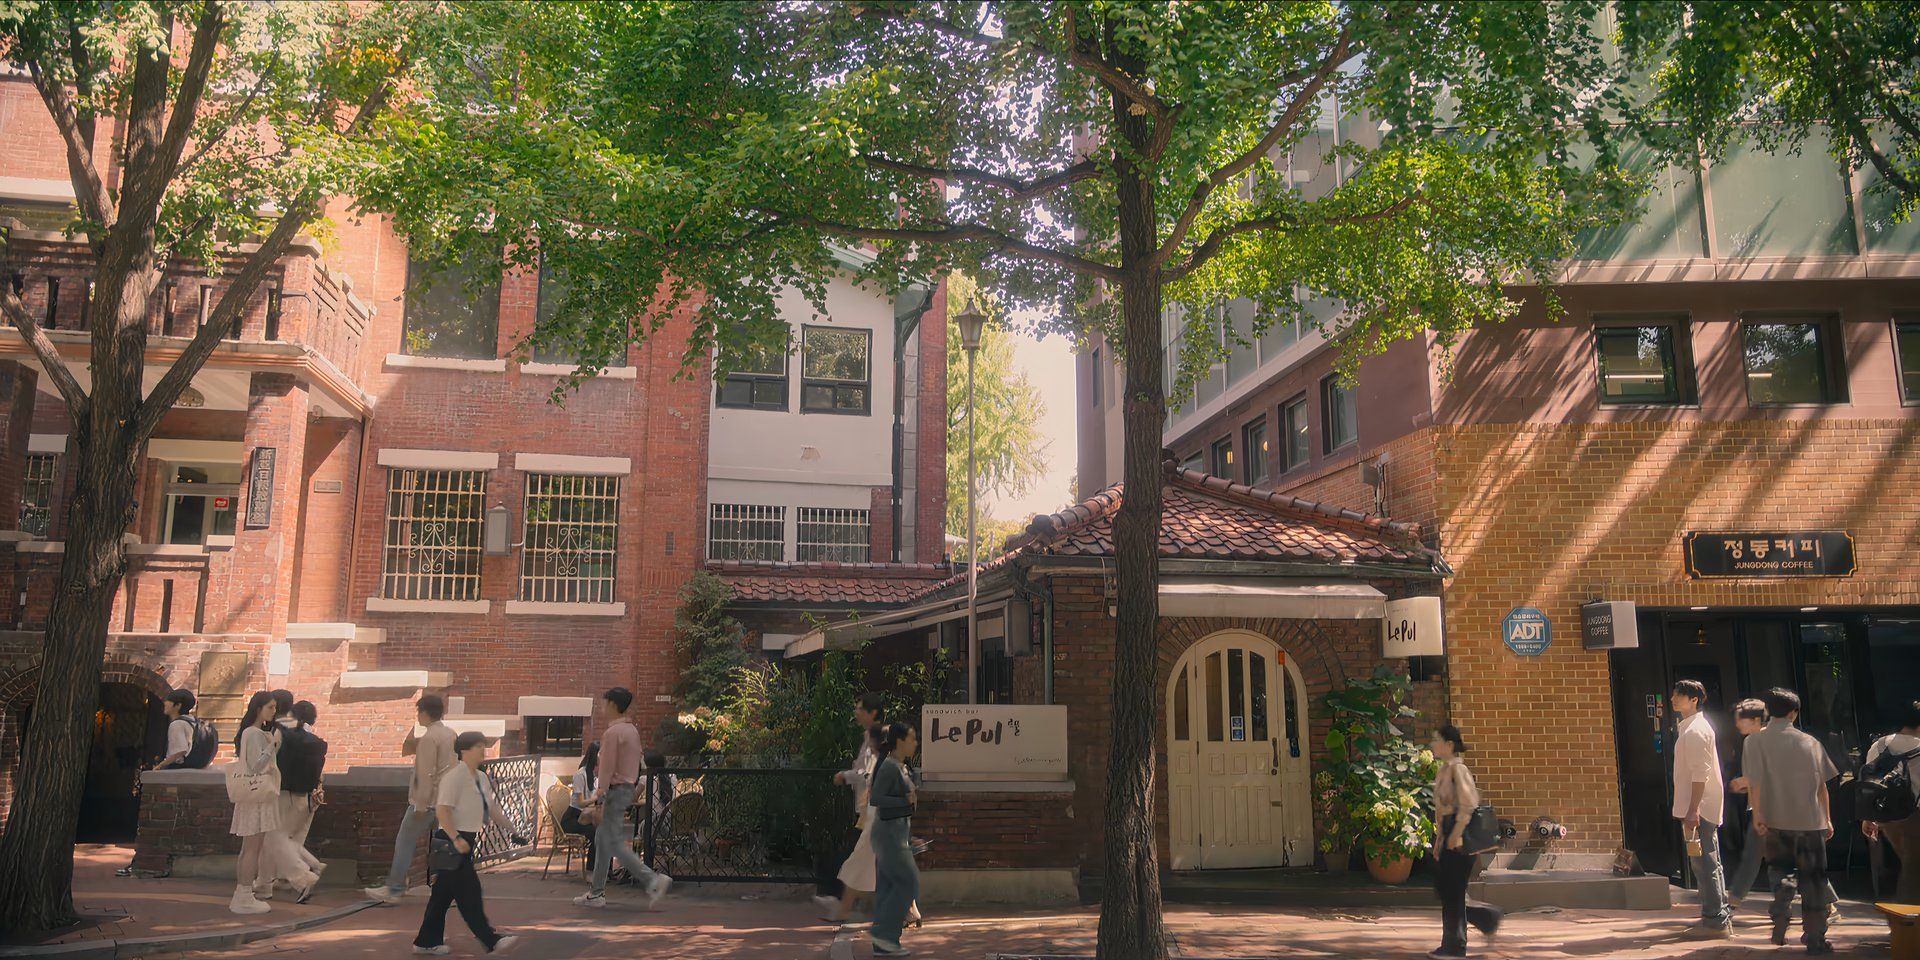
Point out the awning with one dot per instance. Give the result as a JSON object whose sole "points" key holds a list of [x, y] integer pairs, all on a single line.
{"points": [[1280, 599], [850, 634]]}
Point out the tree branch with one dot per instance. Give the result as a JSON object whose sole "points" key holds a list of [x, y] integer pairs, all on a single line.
{"points": [[193, 87], [89, 188], [1211, 245], [1017, 188], [82, 79], [1082, 56], [1288, 117], [44, 351], [999, 242]]}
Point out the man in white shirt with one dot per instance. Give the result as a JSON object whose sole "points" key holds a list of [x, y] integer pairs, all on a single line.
{"points": [[178, 705], [1699, 803]]}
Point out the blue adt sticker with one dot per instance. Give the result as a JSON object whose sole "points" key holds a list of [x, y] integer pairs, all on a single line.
{"points": [[1527, 631]]}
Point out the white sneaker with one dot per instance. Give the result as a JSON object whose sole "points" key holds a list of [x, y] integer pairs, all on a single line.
{"points": [[245, 903], [504, 944], [381, 894], [439, 951], [657, 888], [595, 900]]}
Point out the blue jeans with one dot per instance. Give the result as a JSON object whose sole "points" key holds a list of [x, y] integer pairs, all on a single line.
{"points": [[896, 878], [415, 825], [612, 840], [1712, 880]]}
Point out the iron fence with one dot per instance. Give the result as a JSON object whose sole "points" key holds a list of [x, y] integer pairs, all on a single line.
{"points": [[516, 789], [743, 825]]}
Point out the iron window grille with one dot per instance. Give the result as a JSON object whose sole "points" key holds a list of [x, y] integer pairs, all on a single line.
{"points": [[759, 381], [435, 520], [556, 736], [571, 532], [746, 531], [835, 370], [834, 534], [36, 493]]}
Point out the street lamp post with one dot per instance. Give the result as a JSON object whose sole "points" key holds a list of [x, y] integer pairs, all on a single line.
{"points": [[972, 322]]}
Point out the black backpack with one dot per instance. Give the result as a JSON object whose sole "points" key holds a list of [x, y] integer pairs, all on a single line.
{"points": [[206, 742], [303, 757], [1885, 790]]}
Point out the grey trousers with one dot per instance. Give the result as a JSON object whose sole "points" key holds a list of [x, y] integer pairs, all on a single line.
{"points": [[896, 878], [613, 840], [415, 825]]}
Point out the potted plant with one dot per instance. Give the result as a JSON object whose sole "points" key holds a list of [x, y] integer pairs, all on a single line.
{"points": [[1376, 786]]}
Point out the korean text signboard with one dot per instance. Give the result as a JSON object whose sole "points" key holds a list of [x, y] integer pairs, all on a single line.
{"points": [[260, 488], [991, 741], [1527, 631], [1814, 553]]}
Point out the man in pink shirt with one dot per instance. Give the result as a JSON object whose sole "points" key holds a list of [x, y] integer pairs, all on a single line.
{"points": [[619, 776]]}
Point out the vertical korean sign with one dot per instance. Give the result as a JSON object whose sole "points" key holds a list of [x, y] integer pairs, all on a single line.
{"points": [[260, 488]]}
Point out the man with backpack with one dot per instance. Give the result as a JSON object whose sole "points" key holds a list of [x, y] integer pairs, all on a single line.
{"points": [[1889, 794], [302, 759], [191, 742]]}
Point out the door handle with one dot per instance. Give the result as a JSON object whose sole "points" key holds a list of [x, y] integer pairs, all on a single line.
{"points": [[1275, 744]]}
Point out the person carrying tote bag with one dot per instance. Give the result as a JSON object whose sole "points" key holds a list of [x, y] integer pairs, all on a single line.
{"points": [[253, 784], [1456, 800]]}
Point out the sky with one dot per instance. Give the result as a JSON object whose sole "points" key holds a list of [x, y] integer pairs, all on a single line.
{"points": [[1049, 366]]}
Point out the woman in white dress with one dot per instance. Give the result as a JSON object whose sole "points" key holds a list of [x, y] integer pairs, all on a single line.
{"points": [[857, 873], [256, 747]]}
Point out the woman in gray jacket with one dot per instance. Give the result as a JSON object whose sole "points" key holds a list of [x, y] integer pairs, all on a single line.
{"points": [[897, 880]]}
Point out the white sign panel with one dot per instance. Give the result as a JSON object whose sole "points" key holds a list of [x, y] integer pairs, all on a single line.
{"points": [[1610, 625], [1411, 628], [990, 741]]}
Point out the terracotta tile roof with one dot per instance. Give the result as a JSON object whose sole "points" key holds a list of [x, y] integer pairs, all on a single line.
{"points": [[1210, 518], [828, 583]]}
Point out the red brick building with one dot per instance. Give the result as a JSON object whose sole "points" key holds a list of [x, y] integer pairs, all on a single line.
{"points": [[367, 495]]}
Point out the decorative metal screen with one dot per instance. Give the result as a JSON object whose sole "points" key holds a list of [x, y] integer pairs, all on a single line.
{"points": [[746, 531], [434, 525], [516, 788], [36, 493], [572, 531], [833, 533]]}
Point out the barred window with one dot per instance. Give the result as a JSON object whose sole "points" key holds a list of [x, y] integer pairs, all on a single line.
{"points": [[36, 493], [572, 527], [746, 531], [434, 523], [833, 533]]}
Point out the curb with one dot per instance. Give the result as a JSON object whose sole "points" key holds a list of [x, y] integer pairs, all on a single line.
{"points": [[149, 946]]}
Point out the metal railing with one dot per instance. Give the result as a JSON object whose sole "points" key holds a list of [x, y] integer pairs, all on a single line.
{"points": [[742, 825], [516, 788]]}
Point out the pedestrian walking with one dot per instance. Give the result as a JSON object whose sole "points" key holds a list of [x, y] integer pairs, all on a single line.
{"points": [[1902, 835], [896, 879], [255, 746], [1455, 796], [620, 758], [857, 870], [1749, 718], [302, 760], [1787, 773], [463, 806], [433, 755], [1699, 804]]}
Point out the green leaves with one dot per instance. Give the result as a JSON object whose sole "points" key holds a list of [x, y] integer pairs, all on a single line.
{"points": [[1375, 786]]}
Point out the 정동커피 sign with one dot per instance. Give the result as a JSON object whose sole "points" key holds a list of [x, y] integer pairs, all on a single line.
{"points": [[991, 741], [1527, 631], [1805, 553]]}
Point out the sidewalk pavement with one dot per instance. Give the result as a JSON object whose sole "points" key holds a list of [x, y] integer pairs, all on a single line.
{"points": [[779, 923]]}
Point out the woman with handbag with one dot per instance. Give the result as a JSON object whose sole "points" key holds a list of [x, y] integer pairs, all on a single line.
{"points": [[253, 784], [464, 806], [1455, 800]]}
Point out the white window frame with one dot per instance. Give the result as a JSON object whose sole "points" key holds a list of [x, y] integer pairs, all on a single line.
{"points": [[741, 514], [827, 520]]}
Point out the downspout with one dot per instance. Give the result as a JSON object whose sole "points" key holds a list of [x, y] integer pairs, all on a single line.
{"points": [[912, 304]]}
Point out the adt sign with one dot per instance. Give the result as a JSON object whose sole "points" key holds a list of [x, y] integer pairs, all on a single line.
{"points": [[1527, 631]]}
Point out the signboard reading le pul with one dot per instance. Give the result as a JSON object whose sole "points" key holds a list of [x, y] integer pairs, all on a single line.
{"points": [[993, 741]]}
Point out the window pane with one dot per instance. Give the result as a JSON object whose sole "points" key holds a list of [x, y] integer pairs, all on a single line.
{"points": [[1780, 205], [1223, 458], [1909, 346], [1877, 207], [36, 493], [1236, 694], [1257, 690], [1298, 443], [816, 396], [735, 392], [833, 533], [1668, 226], [1213, 698], [1181, 728], [1195, 463], [447, 315], [836, 354], [1636, 364], [433, 535], [1341, 413], [1785, 363], [742, 531], [1254, 441], [850, 398], [189, 520], [1826, 711], [571, 535], [1241, 359], [770, 392], [1893, 651]]}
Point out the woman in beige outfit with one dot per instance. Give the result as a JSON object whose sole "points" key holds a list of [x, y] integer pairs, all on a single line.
{"points": [[1455, 796]]}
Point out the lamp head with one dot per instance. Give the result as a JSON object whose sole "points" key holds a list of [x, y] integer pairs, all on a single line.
{"points": [[972, 322]]}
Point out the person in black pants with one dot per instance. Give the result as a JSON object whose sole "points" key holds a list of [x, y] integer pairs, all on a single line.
{"points": [[464, 805], [577, 800], [1454, 798]]}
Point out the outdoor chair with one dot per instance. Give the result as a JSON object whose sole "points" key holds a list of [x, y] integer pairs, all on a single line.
{"points": [[565, 843]]}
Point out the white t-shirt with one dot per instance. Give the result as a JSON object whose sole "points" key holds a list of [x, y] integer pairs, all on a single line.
{"points": [[180, 737], [1899, 743], [468, 794], [1696, 759]]}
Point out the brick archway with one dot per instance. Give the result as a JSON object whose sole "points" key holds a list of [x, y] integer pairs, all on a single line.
{"points": [[20, 686]]}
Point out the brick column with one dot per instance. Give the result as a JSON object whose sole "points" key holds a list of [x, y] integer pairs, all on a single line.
{"points": [[261, 587], [17, 382]]}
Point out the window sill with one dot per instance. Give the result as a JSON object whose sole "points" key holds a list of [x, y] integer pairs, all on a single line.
{"points": [[384, 605], [569, 369], [838, 413], [554, 463], [530, 608], [446, 363]]}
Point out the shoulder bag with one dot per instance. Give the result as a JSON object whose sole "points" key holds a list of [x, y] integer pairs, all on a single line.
{"points": [[1482, 832], [244, 787]]}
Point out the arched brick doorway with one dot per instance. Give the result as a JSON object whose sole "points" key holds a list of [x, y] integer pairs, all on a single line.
{"points": [[129, 732]]}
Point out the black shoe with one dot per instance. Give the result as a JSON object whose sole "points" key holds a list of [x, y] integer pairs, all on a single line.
{"points": [[1779, 933], [1821, 947]]}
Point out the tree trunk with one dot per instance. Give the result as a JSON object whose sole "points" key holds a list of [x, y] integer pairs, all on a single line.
{"points": [[36, 854], [1131, 925]]}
